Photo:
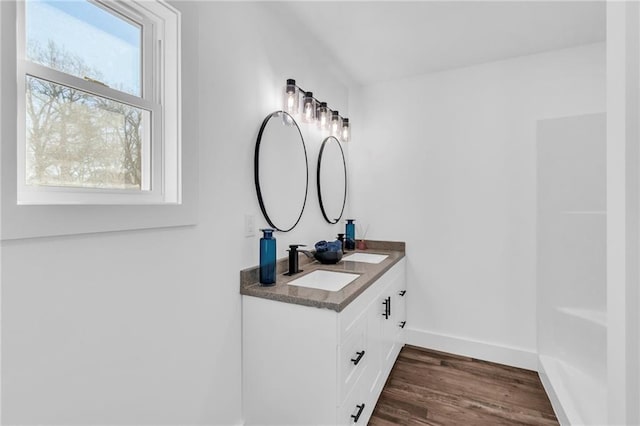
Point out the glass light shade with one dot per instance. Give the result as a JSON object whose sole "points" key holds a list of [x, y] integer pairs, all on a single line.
{"points": [[291, 100], [308, 108], [323, 116], [346, 131], [336, 124]]}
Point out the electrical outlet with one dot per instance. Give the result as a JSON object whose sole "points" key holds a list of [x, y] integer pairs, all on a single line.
{"points": [[249, 225]]}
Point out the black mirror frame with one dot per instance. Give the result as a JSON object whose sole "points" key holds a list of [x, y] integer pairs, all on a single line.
{"points": [[344, 164], [256, 169]]}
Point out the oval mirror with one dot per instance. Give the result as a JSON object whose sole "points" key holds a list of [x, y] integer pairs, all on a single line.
{"points": [[281, 171], [332, 179]]}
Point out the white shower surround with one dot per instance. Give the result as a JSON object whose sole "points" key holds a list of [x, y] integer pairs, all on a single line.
{"points": [[571, 266]]}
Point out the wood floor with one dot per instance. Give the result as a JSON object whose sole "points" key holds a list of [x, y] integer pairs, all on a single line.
{"points": [[434, 388]]}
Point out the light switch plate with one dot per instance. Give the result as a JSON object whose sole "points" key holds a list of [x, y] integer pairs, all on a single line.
{"points": [[249, 225]]}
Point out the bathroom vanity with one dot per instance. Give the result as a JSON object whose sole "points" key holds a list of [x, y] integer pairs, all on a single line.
{"points": [[313, 356]]}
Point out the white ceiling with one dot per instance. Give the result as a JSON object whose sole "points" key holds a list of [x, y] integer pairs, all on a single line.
{"points": [[385, 40]]}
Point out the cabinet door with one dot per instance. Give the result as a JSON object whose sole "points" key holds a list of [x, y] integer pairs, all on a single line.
{"points": [[375, 379], [353, 356], [400, 309], [388, 326], [355, 409], [394, 319]]}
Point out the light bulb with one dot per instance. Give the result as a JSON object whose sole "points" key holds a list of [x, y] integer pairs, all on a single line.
{"points": [[308, 108], [346, 130], [336, 124], [291, 97], [323, 116]]}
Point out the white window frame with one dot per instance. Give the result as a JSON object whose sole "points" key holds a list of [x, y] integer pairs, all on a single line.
{"points": [[161, 96]]}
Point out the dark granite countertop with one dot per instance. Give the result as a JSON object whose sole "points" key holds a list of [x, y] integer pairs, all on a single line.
{"points": [[334, 300]]}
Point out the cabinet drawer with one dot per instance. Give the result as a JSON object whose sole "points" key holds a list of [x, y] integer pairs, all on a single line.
{"points": [[353, 356], [355, 410]]}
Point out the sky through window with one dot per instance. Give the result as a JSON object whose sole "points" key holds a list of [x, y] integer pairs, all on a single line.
{"points": [[108, 45]]}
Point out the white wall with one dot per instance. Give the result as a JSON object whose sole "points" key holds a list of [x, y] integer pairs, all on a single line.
{"points": [[143, 327], [247, 51], [447, 162]]}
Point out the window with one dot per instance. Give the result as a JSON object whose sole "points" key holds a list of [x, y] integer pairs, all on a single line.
{"points": [[98, 102]]}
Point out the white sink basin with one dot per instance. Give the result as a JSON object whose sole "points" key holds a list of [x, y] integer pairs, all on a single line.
{"points": [[325, 280], [366, 257]]}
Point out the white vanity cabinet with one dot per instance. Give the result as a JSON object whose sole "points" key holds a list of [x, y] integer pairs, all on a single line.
{"points": [[310, 366]]}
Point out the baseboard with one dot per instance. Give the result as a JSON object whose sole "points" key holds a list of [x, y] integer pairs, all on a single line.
{"points": [[558, 408], [485, 351]]}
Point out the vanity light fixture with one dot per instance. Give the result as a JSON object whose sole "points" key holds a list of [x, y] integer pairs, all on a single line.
{"points": [[314, 111]]}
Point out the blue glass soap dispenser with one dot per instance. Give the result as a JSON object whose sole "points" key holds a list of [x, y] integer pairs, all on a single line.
{"points": [[267, 258], [350, 237]]}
